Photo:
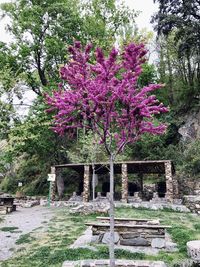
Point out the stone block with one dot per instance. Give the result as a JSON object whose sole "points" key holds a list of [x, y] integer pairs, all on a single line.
{"points": [[3, 212], [139, 241], [153, 222], [158, 243], [106, 238], [193, 249], [95, 239], [171, 246]]}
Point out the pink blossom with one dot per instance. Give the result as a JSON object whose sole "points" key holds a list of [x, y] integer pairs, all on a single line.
{"points": [[104, 95]]}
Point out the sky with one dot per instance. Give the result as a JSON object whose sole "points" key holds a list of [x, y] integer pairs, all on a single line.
{"points": [[147, 8]]}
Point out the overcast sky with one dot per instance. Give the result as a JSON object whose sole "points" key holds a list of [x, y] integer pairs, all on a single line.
{"points": [[147, 8]]}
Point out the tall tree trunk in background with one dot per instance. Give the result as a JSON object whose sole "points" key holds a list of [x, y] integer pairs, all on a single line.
{"points": [[60, 184], [170, 83], [112, 223], [190, 75]]}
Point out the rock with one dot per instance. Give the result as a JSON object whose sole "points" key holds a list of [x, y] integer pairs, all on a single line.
{"points": [[68, 264], [75, 198], [158, 243], [95, 239], [153, 222], [191, 129], [43, 202], [19, 194], [139, 241], [193, 250], [171, 246], [89, 208], [154, 207], [106, 238], [30, 204]]}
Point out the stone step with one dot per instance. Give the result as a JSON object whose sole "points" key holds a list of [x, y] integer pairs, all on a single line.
{"points": [[94, 224], [118, 263], [131, 220]]}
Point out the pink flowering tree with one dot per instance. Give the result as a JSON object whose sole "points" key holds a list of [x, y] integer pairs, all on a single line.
{"points": [[101, 93]]}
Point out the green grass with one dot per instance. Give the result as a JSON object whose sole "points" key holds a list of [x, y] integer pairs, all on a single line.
{"points": [[51, 248], [27, 238], [11, 229]]}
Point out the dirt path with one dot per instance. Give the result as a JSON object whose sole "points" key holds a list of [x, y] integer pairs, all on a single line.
{"points": [[26, 220]]}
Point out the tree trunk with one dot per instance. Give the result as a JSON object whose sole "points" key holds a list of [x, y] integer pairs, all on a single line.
{"points": [[112, 223], [93, 182], [60, 185], [170, 82]]}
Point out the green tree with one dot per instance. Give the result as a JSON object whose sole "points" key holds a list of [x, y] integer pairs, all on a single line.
{"points": [[43, 29], [180, 20]]}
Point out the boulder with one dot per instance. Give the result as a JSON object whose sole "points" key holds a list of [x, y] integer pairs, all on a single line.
{"points": [[106, 238], [158, 243], [139, 241], [193, 249]]}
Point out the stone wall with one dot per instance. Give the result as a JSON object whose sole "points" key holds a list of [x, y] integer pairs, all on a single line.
{"points": [[192, 202], [130, 233], [148, 190], [189, 186]]}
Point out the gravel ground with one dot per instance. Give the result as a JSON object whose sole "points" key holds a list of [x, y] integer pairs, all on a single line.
{"points": [[26, 220]]}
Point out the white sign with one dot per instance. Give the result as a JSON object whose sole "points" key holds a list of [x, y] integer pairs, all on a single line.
{"points": [[51, 177], [20, 184]]}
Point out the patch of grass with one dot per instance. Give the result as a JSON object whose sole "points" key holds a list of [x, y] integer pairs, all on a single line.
{"points": [[181, 236], [197, 226], [10, 229], [27, 238]]}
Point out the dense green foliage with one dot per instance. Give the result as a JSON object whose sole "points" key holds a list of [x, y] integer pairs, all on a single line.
{"points": [[177, 25]]}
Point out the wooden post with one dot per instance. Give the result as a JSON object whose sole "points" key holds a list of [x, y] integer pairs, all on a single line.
{"points": [[124, 183], [141, 183], [86, 183], [169, 182], [176, 189], [53, 185]]}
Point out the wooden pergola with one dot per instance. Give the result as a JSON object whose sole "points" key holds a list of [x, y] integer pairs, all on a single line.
{"points": [[124, 168]]}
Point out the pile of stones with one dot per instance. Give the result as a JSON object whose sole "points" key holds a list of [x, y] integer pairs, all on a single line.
{"points": [[92, 207], [27, 202], [193, 249], [154, 206], [192, 202], [75, 198]]}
